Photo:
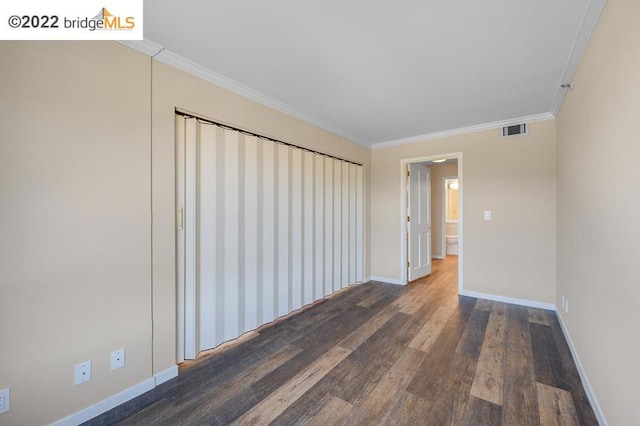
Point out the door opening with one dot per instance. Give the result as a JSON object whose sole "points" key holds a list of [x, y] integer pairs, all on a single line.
{"points": [[423, 215], [450, 216]]}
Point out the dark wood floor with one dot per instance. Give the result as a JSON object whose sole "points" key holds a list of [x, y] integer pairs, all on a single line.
{"points": [[383, 354]]}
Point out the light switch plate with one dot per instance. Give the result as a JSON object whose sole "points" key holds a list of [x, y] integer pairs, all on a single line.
{"points": [[5, 400], [487, 215]]}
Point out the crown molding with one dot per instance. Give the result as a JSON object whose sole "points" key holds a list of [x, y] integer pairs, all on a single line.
{"points": [[464, 130], [163, 55], [590, 19], [145, 46], [585, 30]]}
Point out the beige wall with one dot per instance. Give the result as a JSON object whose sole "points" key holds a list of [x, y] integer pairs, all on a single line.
{"points": [[76, 158], [598, 211], [79, 168], [514, 254], [76, 223], [438, 171]]}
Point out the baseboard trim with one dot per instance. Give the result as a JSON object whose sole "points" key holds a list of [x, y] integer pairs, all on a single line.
{"points": [[107, 404], [119, 398], [583, 375], [166, 375], [386, 280], [439, 256], [522, 302]]}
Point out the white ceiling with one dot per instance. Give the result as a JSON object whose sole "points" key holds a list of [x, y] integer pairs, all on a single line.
{"points": [[379, 70]]}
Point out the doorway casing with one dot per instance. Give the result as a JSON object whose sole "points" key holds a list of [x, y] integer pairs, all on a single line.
{"points": [[404, 167]]}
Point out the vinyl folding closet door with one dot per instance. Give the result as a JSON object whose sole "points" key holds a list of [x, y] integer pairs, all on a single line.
{"points": [[264, 228]]}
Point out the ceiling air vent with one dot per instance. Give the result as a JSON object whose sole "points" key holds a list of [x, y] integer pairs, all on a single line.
{"points": [[517, 129]]}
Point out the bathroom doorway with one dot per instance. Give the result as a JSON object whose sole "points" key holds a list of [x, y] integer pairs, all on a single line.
{"points": [[450, 215]]}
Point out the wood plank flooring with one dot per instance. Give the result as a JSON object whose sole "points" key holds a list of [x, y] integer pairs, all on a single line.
{"points": [[382, 354]]}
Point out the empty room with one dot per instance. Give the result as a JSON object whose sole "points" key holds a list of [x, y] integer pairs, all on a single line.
{"points": [[293, 212]]}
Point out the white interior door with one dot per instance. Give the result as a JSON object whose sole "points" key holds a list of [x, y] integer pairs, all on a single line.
{"points": [[263, 228], [419, 221]]}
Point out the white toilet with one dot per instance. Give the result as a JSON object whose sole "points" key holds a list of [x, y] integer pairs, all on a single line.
{"points": [[452, 244]]}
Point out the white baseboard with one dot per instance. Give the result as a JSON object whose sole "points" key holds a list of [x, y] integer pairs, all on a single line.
{"points": [[583, 376], [522, 302], [119, 398], [107, 404], [439, 256], [386, 280], [166, 375]]}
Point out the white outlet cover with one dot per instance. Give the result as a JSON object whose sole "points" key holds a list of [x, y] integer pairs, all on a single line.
{"points": [[83, 373], [5, 400], [487, 215], [117, 359]]}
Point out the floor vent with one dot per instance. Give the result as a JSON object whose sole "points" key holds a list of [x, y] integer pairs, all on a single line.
{"points": [[517, 129]]}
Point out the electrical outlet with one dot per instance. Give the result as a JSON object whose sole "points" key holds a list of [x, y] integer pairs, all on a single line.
{"points": [[83, 372], [5, 400], [117, 359]]}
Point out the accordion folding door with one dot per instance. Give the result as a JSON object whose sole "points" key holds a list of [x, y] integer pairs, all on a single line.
{"points": [[263, 228]]}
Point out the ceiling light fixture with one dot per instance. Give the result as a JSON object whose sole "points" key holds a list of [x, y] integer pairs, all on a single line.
{"points": [[442, 160]]}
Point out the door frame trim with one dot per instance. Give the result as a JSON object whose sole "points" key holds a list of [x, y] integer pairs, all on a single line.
{"points": [[404, 167]]}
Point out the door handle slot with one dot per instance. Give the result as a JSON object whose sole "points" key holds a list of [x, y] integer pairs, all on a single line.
{"points": [[181, 218]]}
